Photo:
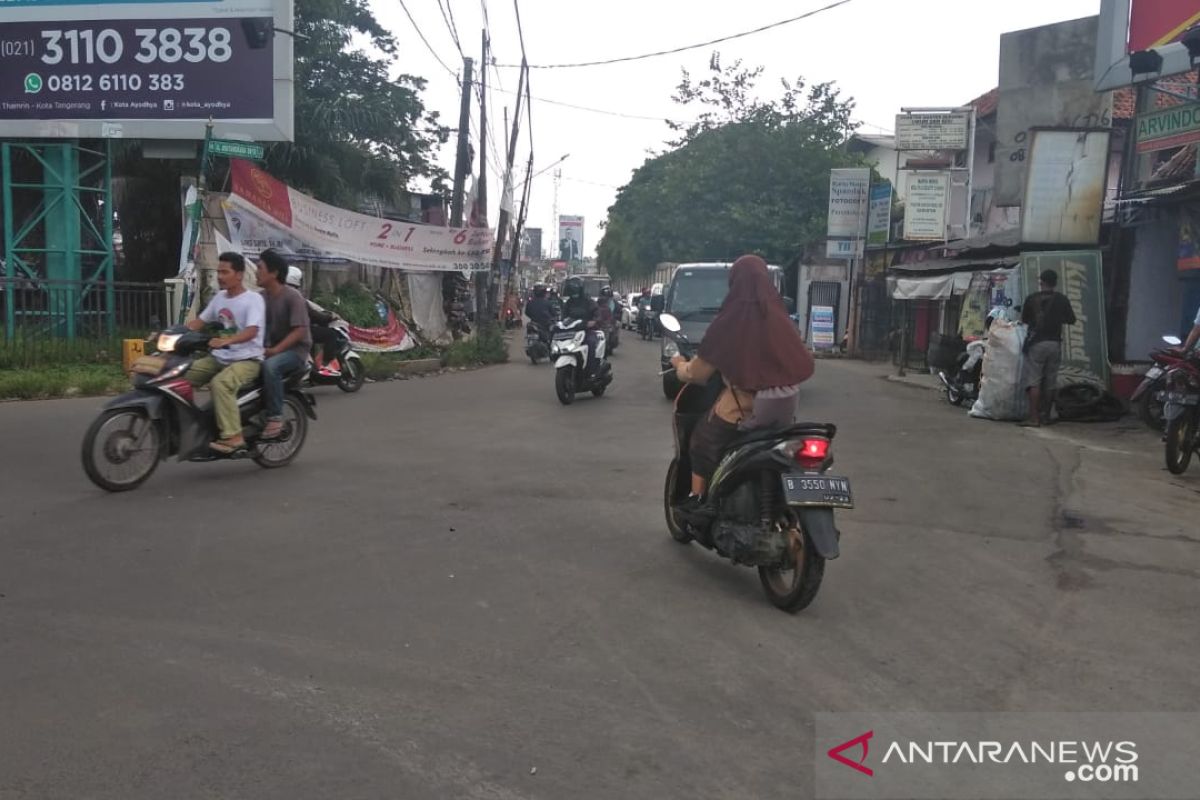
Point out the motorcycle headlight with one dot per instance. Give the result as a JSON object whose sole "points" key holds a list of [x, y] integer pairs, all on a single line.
{"points": [[166, 342], [669, 348]]}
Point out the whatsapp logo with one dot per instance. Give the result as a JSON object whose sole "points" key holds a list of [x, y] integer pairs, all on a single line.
{"points": [[33, 83]]}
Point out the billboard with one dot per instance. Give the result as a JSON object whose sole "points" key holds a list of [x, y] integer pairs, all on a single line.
{"points": [[1064, 187], [570, 238], [1153, 23], [161, 70], [1128, 26], [532, 244]]}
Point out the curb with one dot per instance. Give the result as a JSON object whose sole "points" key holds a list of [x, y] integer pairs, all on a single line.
{"points": [[421, 366]]}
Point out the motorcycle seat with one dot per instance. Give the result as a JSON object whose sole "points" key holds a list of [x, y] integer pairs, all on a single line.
{"points": [[796, 431]]}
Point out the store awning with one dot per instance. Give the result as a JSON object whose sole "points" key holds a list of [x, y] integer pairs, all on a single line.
{"points": [[929, 287]]}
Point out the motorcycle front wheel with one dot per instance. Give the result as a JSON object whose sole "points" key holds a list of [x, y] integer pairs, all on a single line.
{"points": [[564, 385], [121, 449], [352, 377], [1149, 409], [794, 589], [275, 453], [677, 531], [1181, 434]]}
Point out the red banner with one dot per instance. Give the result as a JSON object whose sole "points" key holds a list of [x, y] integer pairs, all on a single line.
{"points": [[266, 193], [393, 336], [1153, 23]]}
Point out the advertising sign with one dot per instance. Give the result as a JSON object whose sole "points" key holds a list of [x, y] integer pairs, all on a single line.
{"points": [[1064, 187], [879, 214], [532, 244], [925, 206], [358, 237], [92, 68], [1080, 278], [570, 237], [1153, 23], [939, 131], [1172, 127], [848, 190], [821, 333], [251, 233]]}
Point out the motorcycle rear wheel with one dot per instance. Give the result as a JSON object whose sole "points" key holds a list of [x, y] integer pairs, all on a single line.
{"points": [[116, 449], [1149, 409], [276, 453], [564, 385], [1181, 436], [794, 589]]}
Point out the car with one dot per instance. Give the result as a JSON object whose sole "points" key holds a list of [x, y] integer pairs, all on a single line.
{"points": [[694, 297]]}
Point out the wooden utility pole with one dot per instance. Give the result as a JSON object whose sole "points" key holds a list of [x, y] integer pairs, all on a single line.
{"points": [[462, 164], [505, 213], [516, 245]]}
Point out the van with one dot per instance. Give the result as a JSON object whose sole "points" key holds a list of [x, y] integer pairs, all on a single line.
{"points": [[694, 296]]}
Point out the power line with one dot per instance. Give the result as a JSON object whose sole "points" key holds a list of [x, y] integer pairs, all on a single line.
{"points": [[451, 27], [685, 48], [417, 28]]}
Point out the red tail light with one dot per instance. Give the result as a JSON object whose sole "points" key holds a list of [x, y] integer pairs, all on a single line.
{"points": [[812, 452]]}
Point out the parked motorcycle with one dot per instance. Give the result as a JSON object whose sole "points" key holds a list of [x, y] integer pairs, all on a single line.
{"points": [[1147, 399], [537, 342], [1181, 410], [962, 382], [346, 370], [161, 418], [772, 498], [572, 371]]}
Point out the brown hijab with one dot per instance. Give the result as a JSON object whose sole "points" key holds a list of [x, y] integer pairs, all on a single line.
{"points": [[752, 341]]}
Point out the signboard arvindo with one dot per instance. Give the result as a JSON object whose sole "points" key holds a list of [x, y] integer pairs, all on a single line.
{"points": [[358, 237], [91, 68], [925, 206], [848, 190], [932, 131], [1172, 127]]}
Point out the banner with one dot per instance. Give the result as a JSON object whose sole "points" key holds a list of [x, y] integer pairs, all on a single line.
{"points": [[570, 238], [1081, 279], [252, 234], [925, 207], [358, 237]]}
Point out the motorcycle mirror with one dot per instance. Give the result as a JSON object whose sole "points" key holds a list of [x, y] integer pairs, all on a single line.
{"points": [[1174, 341], [669, 323]]}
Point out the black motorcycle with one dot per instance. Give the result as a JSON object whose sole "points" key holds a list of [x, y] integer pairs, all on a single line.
{"points": [[537, 342], [646, 321], [770, 504], [963, 380], [161, 418], [346, 370]]}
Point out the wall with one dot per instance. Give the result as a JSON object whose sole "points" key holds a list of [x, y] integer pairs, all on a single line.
{"points": [[810, 273], [1155, 289]]}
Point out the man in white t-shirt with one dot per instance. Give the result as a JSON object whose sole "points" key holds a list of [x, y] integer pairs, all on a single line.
{"points": [[236, 353], [1194, 336]]}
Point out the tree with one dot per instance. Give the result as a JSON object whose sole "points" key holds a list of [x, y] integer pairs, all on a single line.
{"points": [[359, 134], [746, 176]]}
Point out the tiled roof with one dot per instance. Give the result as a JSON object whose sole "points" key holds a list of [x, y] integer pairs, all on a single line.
{"points": [[1124, 105], [985, 105]]}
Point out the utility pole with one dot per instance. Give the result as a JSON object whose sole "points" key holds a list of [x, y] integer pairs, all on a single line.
{"points": [[462, 164], [505, 213], [556, 250], [481, 286], [516, 245]]}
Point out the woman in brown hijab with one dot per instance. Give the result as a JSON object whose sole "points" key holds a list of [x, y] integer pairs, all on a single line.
{"points": [[757, 349]]}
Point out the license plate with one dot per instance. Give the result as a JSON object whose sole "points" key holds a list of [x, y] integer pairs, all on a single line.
{"points": [[817, 490], [148, 365], [1154, 372]]}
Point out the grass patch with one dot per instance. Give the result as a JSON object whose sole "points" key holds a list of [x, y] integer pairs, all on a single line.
{"points": [[486, 347], [22, 352], [354, 303], [43, 383]]}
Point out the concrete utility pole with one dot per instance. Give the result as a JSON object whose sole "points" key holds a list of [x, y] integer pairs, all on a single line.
{"points": [[481, 286], [462, 164], [505, 212]]}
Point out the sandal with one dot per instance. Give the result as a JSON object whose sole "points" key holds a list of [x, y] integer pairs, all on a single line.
{"points": [[227, 447], [272, 430]]}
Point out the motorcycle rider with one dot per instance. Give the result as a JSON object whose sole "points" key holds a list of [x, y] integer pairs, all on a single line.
{"points": [[643, 308], [580, 306], [319, 320], [539, 312], [288, 338]]}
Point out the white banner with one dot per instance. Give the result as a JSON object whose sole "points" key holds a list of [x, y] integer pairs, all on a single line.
{"points": [[252, 233], [925, 206], [848, 190], [357, 237]]}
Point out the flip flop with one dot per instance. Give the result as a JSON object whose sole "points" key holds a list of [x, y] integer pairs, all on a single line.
{"points": [[224, 448]]}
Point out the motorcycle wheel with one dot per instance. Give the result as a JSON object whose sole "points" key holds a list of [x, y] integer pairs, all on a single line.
{"points": [[352, 377], [104, 468], [794, 589], [1150, 410], [599, 390], [954, 396], [564, 385], [677, 531], [280, 452], [1180, 441]]}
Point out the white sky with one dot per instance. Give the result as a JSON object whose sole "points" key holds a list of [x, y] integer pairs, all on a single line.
{"points": [[883, 53]]}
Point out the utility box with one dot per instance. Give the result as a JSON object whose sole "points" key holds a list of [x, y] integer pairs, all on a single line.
{"points": [[131, 350]]}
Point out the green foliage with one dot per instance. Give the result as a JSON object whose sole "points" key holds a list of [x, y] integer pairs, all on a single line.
{"points": [[487, 346], [383, 366], [352, 302], [23, 352], [61, 381], [747, 176]]}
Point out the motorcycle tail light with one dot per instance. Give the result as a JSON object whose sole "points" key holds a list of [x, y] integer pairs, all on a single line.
{"points": [[812, 452]]}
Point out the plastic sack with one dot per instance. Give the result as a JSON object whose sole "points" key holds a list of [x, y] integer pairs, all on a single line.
{"points": [[1001, 395]]}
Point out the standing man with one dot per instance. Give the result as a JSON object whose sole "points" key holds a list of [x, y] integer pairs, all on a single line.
{"points": [[289, 340], [1045, 312], [235, 355]]}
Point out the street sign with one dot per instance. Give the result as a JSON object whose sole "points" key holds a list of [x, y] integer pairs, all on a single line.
{"points": [[233, 149]]}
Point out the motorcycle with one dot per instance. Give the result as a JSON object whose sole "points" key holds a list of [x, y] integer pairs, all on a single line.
{"points": [[346, 370], [1181, 410], [771, 500], [962, 383], [537, 342], [160, 418], [646, 321], [1147, 401], [572, 371]]}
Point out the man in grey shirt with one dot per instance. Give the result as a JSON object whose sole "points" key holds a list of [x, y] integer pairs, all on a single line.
{"points": [[1045, 312], [288, 339]]}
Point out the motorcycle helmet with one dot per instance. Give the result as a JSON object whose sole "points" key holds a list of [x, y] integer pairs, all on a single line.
{"points": [[573, 287], [606, 291], [295, 277], [539, 290]]}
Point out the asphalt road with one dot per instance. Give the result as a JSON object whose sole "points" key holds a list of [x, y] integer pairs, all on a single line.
{"points": [[462, 589]]}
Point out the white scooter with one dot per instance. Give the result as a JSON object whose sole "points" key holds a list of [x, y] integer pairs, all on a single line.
{"points": [[568, 349]]}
